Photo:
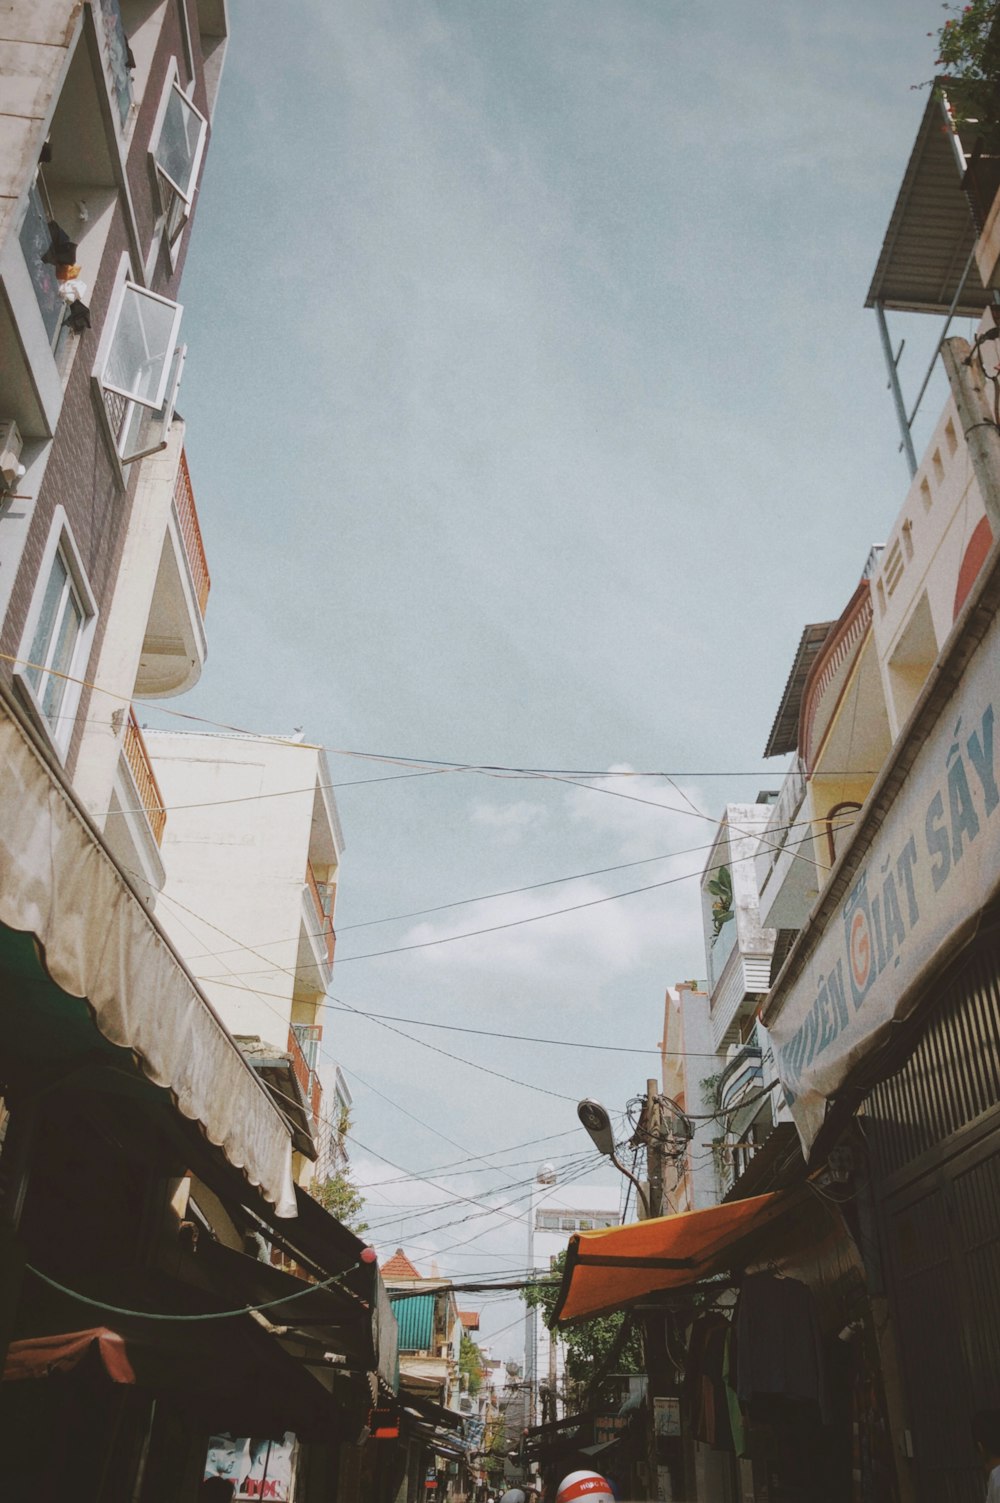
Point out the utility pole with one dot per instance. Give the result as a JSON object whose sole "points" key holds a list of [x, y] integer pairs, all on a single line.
{"points": [[654, 1149]]}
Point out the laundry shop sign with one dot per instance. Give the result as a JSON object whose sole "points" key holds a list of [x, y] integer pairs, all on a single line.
{"points": [[933, 863]]}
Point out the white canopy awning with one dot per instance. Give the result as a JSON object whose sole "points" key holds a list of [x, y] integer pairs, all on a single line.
{"points": [[98, 942]]}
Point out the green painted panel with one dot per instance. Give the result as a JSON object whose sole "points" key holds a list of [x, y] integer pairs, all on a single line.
{"points": [[415, 1318]]}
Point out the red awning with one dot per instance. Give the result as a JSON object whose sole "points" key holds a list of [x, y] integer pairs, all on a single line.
{"points": [[41, 1356], [609, 1269]]}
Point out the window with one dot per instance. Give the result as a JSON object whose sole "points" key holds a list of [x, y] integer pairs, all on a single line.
{"points": [[56, 641], [139, 367], [177, 144]]}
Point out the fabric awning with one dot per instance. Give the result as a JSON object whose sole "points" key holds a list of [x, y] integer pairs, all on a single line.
{"points": [[232, 1374], [42, 1356], [610, 1269], [90, 968]]}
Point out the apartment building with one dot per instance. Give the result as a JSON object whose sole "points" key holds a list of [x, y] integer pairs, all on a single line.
{"points": [[252, 848], [103, 153], [147, 1167]]}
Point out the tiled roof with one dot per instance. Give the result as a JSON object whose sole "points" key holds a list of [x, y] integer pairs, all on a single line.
{"points": [[469, 1319], [399, 1267]]}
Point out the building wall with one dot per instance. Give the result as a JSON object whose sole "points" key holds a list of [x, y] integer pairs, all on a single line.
{"points": [[689, 1059], [914, 589], [239, 866], [77, 469]]}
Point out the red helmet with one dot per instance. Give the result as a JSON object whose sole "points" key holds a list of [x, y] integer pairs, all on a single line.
{"points": [[585, 1487]]}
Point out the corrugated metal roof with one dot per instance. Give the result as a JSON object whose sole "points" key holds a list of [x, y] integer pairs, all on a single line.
{"points": [[931, 232], [784, 735], [415, 1318]]}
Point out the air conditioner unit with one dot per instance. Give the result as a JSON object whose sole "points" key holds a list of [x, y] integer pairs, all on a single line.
{"points": [[11, 468]]}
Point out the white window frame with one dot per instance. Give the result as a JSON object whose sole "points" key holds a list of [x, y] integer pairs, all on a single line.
{"points": [[172, 370], [186, 39], [60, 541], [174, 201]]}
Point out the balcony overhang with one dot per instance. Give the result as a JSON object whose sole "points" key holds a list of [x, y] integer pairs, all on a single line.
{"points": [[174, 647], [784, 737], [928, 246]]}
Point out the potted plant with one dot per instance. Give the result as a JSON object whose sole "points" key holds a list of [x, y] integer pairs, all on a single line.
{"points": [[969, 57]]}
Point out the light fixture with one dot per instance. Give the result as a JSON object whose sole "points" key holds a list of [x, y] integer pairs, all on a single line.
{"points": [[596, 1120], [598, 1124]]}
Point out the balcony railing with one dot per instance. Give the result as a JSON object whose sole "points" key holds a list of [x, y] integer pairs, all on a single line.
{"points": [[742, 1074], [144, 778], [187, 521], [321, 895], [305, 1072]]}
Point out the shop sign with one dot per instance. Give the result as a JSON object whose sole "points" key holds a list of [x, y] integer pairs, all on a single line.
{"points": [[933, 863], [667, 1416], [260, 1468]]}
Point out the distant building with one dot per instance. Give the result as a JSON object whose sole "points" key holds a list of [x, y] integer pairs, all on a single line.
{"points": [[252, 861], [559, 1212]]}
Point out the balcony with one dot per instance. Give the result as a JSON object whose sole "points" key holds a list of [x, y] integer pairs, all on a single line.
{"points": [[136, 817], [174, 646], [317, 939], [742, 1076], [743, 984], [141, 768], [56, 82], [320, 892], [303, 1046], [784, 864]]}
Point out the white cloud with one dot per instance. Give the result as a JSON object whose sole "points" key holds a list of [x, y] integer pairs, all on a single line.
{"points": [[510, 821]]}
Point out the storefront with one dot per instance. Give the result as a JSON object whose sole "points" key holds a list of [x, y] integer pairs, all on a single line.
{"points": [[888, 1008], [760, 1349]]}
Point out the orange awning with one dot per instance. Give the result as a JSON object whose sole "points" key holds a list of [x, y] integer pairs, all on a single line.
{"points": [[607, 1270]]}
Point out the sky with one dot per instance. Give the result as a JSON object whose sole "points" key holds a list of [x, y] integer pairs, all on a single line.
{"points": [[532, 411]]}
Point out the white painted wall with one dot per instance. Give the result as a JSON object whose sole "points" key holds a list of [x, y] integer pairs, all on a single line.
{"points": [[922, 555], [572, 1202], [115, 672], [235, 850]]}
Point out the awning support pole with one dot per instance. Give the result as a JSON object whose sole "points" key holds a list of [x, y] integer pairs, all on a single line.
{"points": [[894, 387]]}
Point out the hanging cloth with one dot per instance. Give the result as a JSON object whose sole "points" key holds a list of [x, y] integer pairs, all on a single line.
{"points": [[780, 1358]]}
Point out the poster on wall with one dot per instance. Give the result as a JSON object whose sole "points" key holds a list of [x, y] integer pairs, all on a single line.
{"points": [[259, 1468]]}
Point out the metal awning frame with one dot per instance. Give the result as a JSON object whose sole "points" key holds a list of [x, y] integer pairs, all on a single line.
{"points": [[904, 419]]}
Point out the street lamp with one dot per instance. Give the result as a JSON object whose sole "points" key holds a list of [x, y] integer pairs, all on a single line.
{"points": [[595, 1119]]}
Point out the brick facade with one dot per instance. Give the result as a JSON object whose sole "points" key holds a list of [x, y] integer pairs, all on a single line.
{"points": [[81, 474]]}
